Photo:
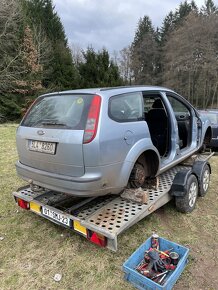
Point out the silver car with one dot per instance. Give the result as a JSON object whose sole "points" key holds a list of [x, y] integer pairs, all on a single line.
{"points": [[98, 141], [212, 115]]}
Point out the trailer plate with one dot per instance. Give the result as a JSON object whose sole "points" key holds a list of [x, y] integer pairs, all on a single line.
{"points": [[56, 216]]}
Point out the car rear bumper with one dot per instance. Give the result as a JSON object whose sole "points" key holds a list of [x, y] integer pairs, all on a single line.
{"points": [[93, 183]]}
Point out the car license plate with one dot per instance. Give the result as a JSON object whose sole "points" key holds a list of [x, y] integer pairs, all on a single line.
{"points": [[61, 218], [42, 146]]}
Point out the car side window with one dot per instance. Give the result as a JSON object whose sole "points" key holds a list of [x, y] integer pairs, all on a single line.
{"points": [[178, 106], [126, 107]]}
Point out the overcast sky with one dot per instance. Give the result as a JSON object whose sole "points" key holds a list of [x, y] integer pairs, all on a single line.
{"points": [[110, 23]]}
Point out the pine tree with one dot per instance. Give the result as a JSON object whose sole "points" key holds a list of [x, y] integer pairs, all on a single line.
{"points": [[209, 8], [59, 71], [168, 26], [174, 19], [97, 70], [144, 53], [144, 27]]}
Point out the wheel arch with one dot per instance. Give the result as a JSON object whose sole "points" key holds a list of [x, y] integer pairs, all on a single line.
{"points": [[150, 161], [198, 168], [148, 154], [207, 136]]}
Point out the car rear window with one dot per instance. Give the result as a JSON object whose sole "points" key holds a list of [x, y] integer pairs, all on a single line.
{"points": [[64, 111]]}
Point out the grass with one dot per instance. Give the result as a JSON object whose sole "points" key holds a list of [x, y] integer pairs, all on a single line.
{"points": [[34, 250]]}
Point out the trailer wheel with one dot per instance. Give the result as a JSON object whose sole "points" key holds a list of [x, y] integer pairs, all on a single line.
{"points": [[204, 181], [187, 202]]}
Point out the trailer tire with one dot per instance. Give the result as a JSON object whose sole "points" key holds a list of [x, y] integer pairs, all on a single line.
{"points": [[204, 181], [187, 202]]}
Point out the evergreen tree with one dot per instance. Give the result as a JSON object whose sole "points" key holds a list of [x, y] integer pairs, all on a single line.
{"points": [[59, 70], [168, 26], [174, 19], [144, 27], [97, 70], [144, 53], [11, 59], [209, 8]]}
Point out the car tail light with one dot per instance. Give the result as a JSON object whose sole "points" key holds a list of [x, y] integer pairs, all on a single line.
{"points": [[22, 203], [92, 120]]}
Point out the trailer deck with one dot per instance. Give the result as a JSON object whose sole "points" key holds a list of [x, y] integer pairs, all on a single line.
{"points": [[106, 216]]}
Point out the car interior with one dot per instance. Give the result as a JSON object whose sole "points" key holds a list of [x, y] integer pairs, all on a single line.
{"points": [[157, 120], [156, 117]]}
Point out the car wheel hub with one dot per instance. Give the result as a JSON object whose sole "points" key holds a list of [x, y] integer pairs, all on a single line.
{"points": [[206, 180], [192, 194]]}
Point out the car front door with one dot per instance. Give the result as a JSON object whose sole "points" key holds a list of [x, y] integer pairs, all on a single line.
{"points": [[187, 123]]}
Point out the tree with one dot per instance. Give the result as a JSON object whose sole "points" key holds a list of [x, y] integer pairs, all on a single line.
{"points": [[97, 70], [174, 19], [10, 44], [11, 58], [191, 59], [77, 54], [144, 53], [59, 70], [209, 8], [124, 63]]}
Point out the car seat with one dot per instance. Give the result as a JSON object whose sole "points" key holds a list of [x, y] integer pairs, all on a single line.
{"points": [[158, 126]]}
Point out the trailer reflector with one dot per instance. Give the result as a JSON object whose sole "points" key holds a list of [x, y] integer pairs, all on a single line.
{"points": [[35, 207], [97, 239], [23, 204], [79, 228]]}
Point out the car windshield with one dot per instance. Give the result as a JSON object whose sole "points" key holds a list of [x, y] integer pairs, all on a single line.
{"points": [[65, 111]]}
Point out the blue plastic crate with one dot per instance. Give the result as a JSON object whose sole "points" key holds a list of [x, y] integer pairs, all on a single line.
{"points": [[140, 281]]}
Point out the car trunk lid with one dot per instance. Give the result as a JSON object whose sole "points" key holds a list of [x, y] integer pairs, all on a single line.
{"points": [[50, 137]]}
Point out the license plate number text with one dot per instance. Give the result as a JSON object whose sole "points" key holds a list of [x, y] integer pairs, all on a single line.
{"points": [[44, 147], [61, 218]]}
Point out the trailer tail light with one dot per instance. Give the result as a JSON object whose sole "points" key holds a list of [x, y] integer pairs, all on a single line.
{"points": [[23, 204], [92, 120], [97, 239]]}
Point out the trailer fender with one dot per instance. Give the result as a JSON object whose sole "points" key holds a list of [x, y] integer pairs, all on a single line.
{"points": [[179, 186], [198, 168]]}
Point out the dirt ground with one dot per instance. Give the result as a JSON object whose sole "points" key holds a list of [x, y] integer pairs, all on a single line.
{"points": [[33, 250]]}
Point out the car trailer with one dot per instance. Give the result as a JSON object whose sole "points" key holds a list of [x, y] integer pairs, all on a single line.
{"points": [[102, 219]]}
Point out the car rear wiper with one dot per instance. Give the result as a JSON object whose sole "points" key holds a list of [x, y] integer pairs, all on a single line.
{"points": [[53, 123]]}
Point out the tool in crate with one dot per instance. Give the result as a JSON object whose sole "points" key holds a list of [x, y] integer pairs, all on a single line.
{"points": [[156, 264]]}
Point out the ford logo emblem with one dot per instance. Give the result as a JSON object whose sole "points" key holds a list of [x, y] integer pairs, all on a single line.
{"points": [[40, 132]]}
